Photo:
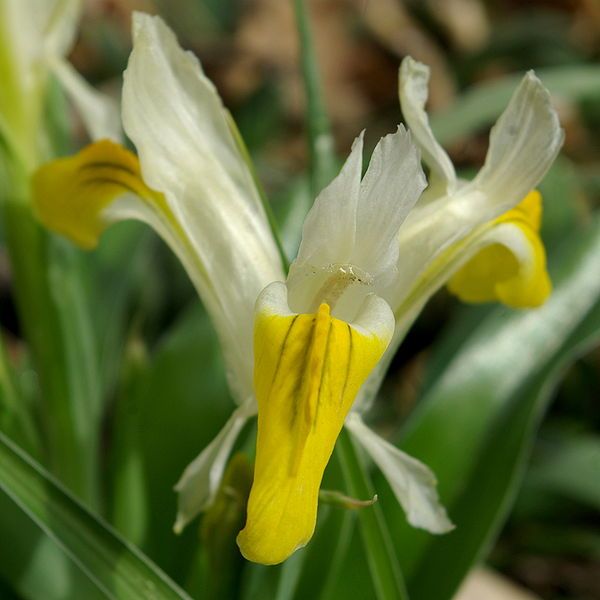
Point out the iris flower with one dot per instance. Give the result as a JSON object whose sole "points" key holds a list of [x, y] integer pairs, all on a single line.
{"points": [[307, 351]]}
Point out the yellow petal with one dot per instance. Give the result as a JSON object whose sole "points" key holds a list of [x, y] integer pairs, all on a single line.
{"points": [[71, 193], [512, 270], [308, 370]]}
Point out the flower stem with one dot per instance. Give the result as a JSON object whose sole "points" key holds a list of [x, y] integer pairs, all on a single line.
{"points": [[322, 155]]}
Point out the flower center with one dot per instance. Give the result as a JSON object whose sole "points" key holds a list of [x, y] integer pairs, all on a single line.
{"points": [[341, 277]]}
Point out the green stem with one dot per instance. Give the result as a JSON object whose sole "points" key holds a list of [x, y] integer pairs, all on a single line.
{"points": [[322, 153], [380, 552]]}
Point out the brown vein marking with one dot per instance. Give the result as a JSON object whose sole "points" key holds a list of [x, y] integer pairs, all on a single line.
{"points": [[112, 182], [281, 351], [109, 165]]}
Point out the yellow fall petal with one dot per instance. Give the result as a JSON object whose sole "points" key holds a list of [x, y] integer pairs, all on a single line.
{"points": [[308, 370], [496, 273], [71, 193]]}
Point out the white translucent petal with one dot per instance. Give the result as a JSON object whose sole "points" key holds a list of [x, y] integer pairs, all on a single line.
{"points": [[131, 207], [390, 188], [413, 484], [375, 317], [329, 231], [413, 82], [200, 481], [99, 112], [273, 300], [523, 144], [355, 223], [187, 151]]}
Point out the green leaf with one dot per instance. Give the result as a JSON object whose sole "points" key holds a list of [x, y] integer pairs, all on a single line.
{"points": [[54, 314], [481, 105], [34, 564], [116, 568], [483, 409], [15, 416], [381, 554], [173, 405], [570, 468]]}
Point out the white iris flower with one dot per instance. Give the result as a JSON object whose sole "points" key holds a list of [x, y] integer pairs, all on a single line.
{"points": [[308, 352]]}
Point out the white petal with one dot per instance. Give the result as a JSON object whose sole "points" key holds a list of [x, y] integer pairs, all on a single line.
{"points": [[328, 235], [356, 223], [99, 112], [391, 186], [176, 120], [411, 481], [375, 318], [200, 481], [413, 81], [523, 144]]}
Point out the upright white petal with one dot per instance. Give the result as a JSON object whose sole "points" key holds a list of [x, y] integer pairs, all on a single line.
{"points": [[413, 82], [523, 144], [200, 481], [354, 222], [411, 481], [352, 229], [329, 231], [391, 186], [176, 120]]}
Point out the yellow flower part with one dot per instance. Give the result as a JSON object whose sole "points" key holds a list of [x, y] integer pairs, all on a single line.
{"points": [[70, 194], [308, 370], [512, 269]]}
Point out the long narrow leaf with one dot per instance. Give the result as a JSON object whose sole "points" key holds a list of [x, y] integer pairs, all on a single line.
{"points": [[116, 568]]}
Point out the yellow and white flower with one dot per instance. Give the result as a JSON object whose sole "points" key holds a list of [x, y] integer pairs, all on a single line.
{"points": [[308, 351]]}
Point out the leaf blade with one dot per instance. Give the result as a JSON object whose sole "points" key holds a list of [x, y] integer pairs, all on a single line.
{"points": [[117, 568]]}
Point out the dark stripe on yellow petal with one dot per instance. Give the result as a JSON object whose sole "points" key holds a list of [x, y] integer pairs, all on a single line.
{"points": [[70, 193]]}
